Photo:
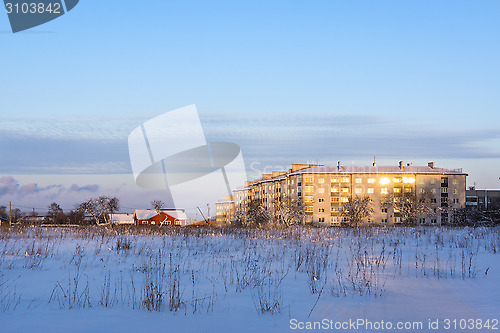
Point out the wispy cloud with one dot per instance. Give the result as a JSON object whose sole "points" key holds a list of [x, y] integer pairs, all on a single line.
{"points": [[100, 147], [276, 138], [41, 155], [10, 187], [98, 129], [89, 188]]}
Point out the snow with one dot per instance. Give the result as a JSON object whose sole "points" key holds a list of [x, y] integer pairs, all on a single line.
{"points": [[214, 280]]}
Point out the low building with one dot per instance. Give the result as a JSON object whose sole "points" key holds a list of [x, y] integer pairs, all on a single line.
{"points": [[175, 217], [483, 200], [224, 210], [127, 219]]}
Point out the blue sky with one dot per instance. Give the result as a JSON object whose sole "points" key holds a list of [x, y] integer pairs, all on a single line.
{"points": [[290, 81]]}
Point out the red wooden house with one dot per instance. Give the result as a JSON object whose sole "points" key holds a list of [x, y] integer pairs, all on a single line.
{"points": [[166, 217]]}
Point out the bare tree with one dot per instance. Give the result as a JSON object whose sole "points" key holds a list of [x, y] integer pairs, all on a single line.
{"points": [[101, 208], [290, 210], [410, 205], [256, 213], [75, 217], [356, 210], [55, 214], [4, 216], [158, 206], [17, 215]]}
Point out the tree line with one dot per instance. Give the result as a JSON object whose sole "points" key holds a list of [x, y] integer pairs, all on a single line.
{"points": [[357, 211], [96, 210]]}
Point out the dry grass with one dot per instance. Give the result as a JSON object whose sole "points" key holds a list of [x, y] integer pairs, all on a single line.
{"points": [[194, 270]]}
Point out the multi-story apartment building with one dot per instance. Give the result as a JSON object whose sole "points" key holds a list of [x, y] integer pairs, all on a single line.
{"points": [[224, 210], [323, 190]]}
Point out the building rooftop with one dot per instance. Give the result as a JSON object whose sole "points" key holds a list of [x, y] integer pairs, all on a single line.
{"points": [[381, 169]]}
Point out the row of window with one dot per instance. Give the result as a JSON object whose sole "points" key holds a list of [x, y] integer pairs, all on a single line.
{"points": [[385, 180], [371, 190], [340, 219], [309, 199]]}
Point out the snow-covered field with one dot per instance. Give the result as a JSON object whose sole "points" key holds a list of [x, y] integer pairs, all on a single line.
{"points": [[249, 280]]}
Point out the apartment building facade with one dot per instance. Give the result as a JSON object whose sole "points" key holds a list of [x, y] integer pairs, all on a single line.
{"points": [[323, 189], [224, 210]]}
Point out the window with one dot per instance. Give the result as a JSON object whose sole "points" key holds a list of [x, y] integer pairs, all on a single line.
{"points": [[321, 210], [397, 219], [321, 219], [345, 189], [309, 189], [408, 180], [384, 210], [321, 180], [384, 220], [359, 190], [455, 191], [433, 190], [335, 180], [321, 200], [455, 181], [321, 190], [308, 199], [433, 221], [335, 199], [371, 180], [422, 181], [309, 209], [384, 181], [335, 190], [433, 181], [422, 190], [359, 180], [396, 180], [444, 200], [433, 200], [397, 190], [422, 220], [343, 199], [334, 209], [371, 190], [334, 219], [384, 190], [455, 201], [444, 190], [308, 179]]}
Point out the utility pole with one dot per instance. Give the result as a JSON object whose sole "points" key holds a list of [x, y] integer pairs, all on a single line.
{"points": [[10, 213], [209, 218]]}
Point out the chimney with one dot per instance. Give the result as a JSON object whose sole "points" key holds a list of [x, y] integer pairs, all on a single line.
{"points": [[431, 165], [339, 166], [401, 165]]}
